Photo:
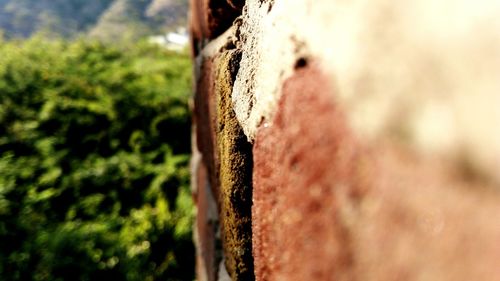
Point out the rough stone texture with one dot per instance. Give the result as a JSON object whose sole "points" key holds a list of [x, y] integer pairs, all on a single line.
{"points": [[302, 160], [205, 168], [225, 165], [235, 174], [221, 15], [210, 18], [403, 70], [197, 26], [207, 228], [327, 207], [205, 119], [375, 136]]}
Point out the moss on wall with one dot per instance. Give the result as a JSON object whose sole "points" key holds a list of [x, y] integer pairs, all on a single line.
{"points": [[236, 163]]}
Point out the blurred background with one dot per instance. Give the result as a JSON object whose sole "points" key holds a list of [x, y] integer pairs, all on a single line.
{"points": [[94, 140]]}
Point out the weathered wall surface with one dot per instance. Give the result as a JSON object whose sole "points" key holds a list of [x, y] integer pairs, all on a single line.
{"points": [[347, 140]]}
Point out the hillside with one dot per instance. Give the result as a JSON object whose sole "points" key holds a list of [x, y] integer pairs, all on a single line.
{"points": [[104, 19]]}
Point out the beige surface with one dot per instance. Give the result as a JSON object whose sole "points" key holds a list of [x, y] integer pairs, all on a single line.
{"points": [[424, 73]]}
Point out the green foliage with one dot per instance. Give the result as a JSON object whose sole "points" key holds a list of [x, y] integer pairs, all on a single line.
{"points": [[94, 144]]}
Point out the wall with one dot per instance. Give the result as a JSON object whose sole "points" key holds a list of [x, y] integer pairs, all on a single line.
{"points": [[346, 140]]}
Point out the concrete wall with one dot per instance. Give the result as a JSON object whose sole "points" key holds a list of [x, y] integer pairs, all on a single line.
{"points": [[347, 140]]}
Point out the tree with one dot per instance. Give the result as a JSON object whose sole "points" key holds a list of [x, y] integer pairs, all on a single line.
{"points": [[94, 144]]}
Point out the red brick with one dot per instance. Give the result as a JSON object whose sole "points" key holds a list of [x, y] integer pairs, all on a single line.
{"points": [[210, 18], [328, 206], [206, 174], [297, 160], [205, 119], [206, 227]]}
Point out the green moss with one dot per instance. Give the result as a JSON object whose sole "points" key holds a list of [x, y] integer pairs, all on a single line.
{"points": [[235, 154]]}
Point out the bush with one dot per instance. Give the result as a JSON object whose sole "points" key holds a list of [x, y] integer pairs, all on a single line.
{"points": [[94, 144]]}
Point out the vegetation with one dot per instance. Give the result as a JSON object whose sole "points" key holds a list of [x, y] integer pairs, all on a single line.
{"points": [[94, 144]]}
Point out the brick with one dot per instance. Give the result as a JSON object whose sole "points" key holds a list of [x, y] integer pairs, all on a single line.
{"points": [[235, 174], [211, 18], [204, 116], [374, 155], [299, 157], [207, 225], [226, 156], [330, 207]]}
